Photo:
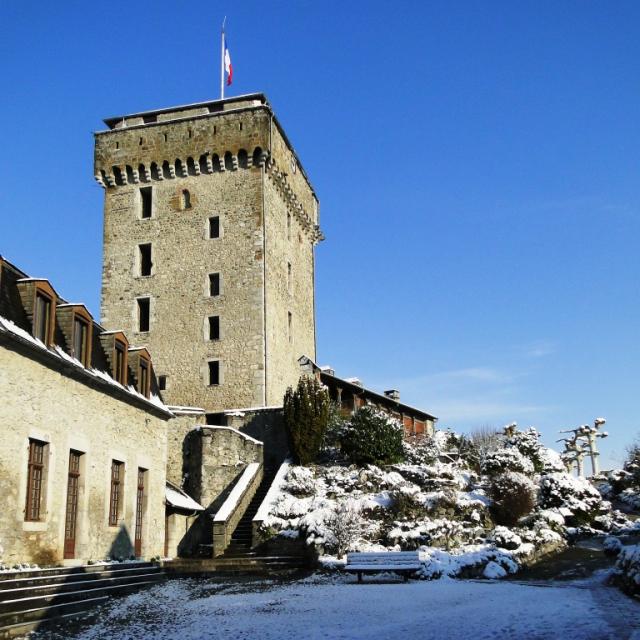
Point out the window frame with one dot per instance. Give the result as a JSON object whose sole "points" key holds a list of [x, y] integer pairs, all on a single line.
{"points": [[218, 373], [146, 202], [148, 314], [120, 364], [216, 277], [145, 260], [210, 325], [36, 480], [49, 301], [116, 493], [82, 318], [210, 220], [144, 382]]}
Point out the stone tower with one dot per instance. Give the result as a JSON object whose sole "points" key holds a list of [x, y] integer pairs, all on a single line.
{"points": [[210, 224]]}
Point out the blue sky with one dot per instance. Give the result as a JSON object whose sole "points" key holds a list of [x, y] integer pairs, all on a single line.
{"points": [[476, 163]]}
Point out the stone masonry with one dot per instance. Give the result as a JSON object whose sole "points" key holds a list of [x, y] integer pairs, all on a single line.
{"points": [[228, 159]]}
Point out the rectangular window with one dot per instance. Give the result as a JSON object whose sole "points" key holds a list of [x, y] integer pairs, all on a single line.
{"points": [[115, 502], [139, 512], [143, 378], [214, 227], [214, 373], [35, 479], [162, 383], [145, 259], [144, 305], [81, 340], [120, 370], [290, 326], [214, 327], [71, 516], [42, 318], [146, 199], [214, 284]]}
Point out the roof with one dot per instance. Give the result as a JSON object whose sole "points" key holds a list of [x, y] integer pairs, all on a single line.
{"points": [[178, 499]]}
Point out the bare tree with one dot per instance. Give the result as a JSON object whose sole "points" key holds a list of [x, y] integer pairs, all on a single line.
{"points": [[485, 439], [345, 525]]}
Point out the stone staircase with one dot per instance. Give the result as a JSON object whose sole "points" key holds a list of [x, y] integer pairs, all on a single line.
{"points": [[34, 599]]}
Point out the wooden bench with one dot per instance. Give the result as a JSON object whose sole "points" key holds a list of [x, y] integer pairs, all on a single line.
{"points": [[403, 563]]}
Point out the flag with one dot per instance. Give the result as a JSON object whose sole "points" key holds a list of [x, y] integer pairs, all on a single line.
{"points": [[228, 68]]}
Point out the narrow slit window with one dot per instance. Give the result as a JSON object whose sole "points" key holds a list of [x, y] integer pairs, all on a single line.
{"points": [[162, 383], [214, 373], [214, 227], [289, 277], [288, 226], [146, 200], [186, 199], [144, 306], [214, 284], [214, 327], [145, 259], [290, 326]]}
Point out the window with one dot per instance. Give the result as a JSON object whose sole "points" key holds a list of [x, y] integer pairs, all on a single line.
{"points": [[186, 199], [144, 305], [214, 327], [146, 198], [42, 318], [162, 383], [71, 515], [120, 364], [288, 226], [214, 284], [139, 512], [115, 502], [214, 373], [143, 377], [145, 259], [289, 277], [35, 479], [290, 326], [214, 227], [81, 340]]}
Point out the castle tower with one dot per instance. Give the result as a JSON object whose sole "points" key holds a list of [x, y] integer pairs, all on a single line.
{"points": [[210, 224]]}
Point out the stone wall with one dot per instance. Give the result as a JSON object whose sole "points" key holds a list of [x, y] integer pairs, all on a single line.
{"points": [[40, 403], [179, 452]]}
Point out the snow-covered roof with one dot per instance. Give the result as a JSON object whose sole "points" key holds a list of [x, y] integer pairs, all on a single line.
{"points": [[243, 410], [185, 411], [177, 498], [239, 433]]}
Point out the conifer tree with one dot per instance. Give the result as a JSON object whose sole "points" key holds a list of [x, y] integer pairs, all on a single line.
{"points": [[306, 415]]}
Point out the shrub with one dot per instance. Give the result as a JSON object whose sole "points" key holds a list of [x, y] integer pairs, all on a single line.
{"points": [[563, 491], [373, 438], [627, 571], [306, 414], [528, 443], [345, 525], [482, 442], [513, 496], [632, 464], [508, 459]]}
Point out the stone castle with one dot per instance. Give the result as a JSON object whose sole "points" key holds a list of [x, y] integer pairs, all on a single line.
{"points": [[149, 432]]}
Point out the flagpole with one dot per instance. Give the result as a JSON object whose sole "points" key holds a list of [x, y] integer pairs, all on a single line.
{"points": [[222, 61]]}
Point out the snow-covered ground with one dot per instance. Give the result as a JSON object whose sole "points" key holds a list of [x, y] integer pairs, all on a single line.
{"points": [[338, 607]]}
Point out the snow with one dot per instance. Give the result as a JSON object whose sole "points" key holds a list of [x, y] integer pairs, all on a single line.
{"points": [[383, 608], [187, 411], [181, 500], [263, 511], [229, 505]]}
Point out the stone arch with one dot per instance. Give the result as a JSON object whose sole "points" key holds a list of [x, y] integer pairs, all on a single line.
{"points": [[142, 172], [257, 157], [156, 173], [215, 161], [203, 163], [179, 168], [130, 177], [166, 172], [243, 159], [117, 175], [191, 167], [228, 161]]}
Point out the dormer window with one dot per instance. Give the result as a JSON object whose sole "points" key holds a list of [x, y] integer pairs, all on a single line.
{"points": [[42, 318], [81, 340], [144, 379], [120, 362]]}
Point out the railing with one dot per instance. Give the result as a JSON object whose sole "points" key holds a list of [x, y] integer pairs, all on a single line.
{"points": [[227, 517]]}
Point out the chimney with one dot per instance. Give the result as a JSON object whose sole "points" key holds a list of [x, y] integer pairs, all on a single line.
{"points": [[393, 394]]}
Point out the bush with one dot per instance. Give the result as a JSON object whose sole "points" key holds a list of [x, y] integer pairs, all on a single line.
{"points": [[306, 415], [345, 524], [513, 496], [528, 443], [373, 438], [632, 464], [563, 491], [504, 460]]}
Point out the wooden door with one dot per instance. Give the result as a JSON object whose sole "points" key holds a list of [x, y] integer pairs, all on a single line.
{"points": [[139, 508], [71, 518]]}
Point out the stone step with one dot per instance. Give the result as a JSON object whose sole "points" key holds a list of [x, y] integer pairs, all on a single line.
{"points": [[10, 595], [21, 606], [26, 621], [85, 568], [37, 581]]}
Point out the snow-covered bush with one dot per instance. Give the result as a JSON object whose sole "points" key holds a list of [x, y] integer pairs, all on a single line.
{"points": [[611, 546], [372, 437], [632, 463], [505, 538], [345, 525], [482, 442], [513, 495], [306, 415], [507, 459], [528, 443], [425, 451], [578, 501], [300, 481], [627, 571]]}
